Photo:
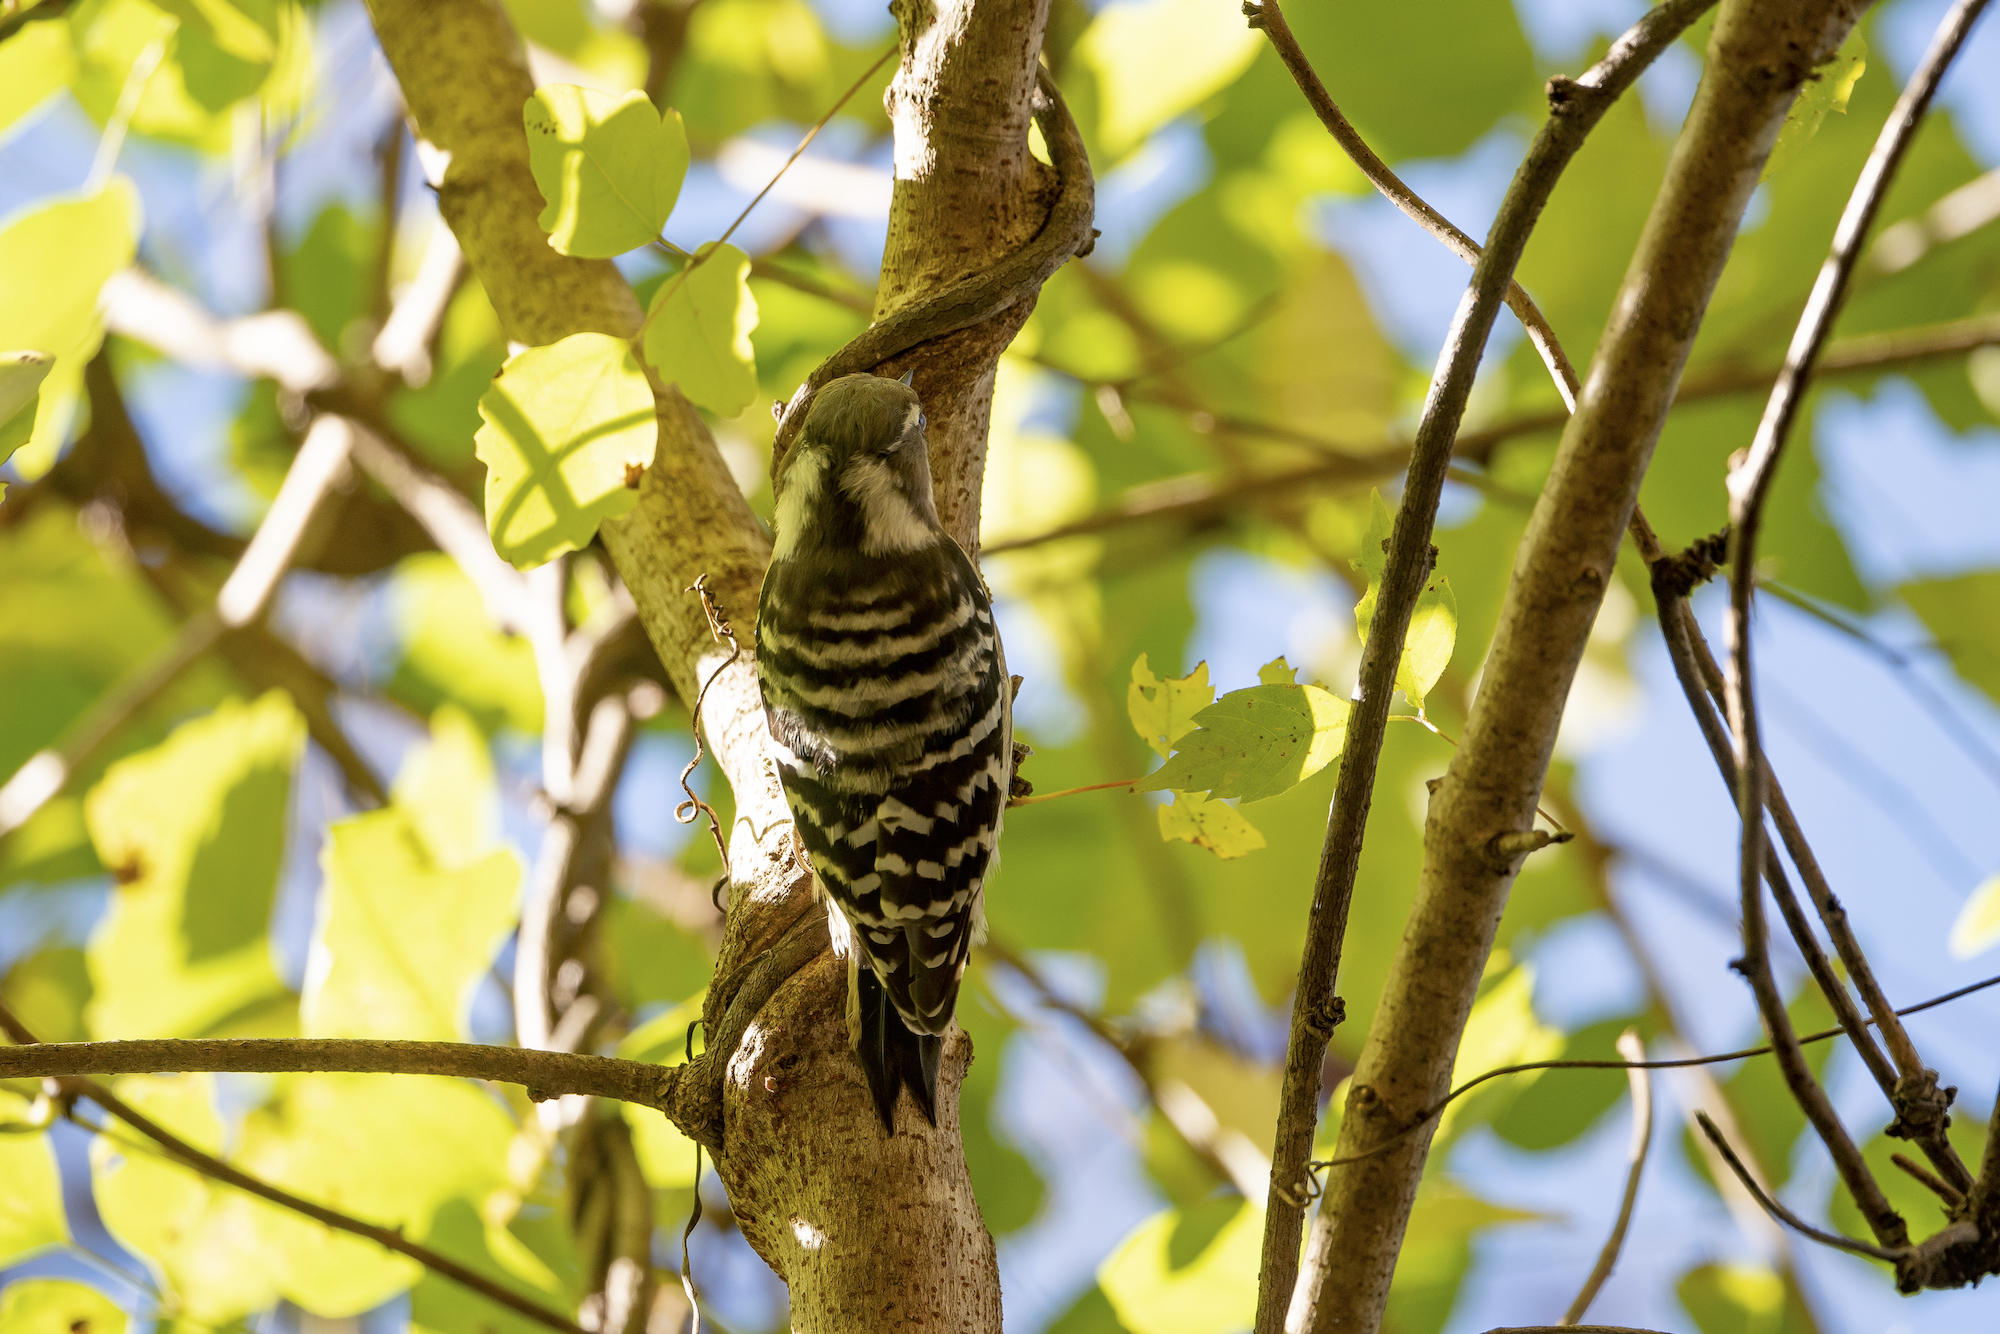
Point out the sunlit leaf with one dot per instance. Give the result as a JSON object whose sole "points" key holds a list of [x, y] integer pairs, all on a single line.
{"points": [[1977, 928], [31, 1205], [1215, 825], [1432, 635], [1157, 59], [566, 430], [58, 1306], [1163, 710], [1277, 672], [35, 63], [391, 1150], [452, 652], [56, 257], [608, 166], [699, 332], [203, 1236], [1433, 631], [194, 832], [403, 940], [1188, 1271], [1825, 92], [1743, 1298], [21, 376], [1256, 743], [446, 791]]}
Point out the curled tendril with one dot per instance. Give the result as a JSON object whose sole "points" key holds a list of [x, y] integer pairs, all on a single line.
{"points": [[687, 811]]}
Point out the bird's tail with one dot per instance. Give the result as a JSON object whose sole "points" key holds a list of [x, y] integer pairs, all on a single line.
{"points": [[891, 1056]]}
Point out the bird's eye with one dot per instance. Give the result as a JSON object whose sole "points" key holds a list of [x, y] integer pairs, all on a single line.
{"points": [[922, 421]]}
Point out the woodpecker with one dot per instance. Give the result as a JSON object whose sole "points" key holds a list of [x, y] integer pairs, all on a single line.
{"points": [[891, 720]]}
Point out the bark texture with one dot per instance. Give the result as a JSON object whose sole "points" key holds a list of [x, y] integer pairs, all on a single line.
{"points": [[1760, 54], [871, 1233]]}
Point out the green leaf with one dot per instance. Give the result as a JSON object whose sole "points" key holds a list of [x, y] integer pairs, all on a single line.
{"points": [[446, 791], [194, 834], [1978, 926], [1826, 91], [1433, 632], [56, 257], [1743, 1298], [698, 332], [1158, 59], [609, 167], [565, 429], [1278, 672], [1188, 1272], [1256, 743], [202, 1236], [1163, 710], [1427, 647], [405, 939], [392, 1150], [1963, 613], [21, 376], [453, 654], [31, 1206], [57, 1305], [1215, 825], [35, 64], [1374, 558]]}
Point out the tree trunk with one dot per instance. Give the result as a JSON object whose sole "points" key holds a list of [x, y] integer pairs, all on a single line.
{"points": [[870, 1232]]}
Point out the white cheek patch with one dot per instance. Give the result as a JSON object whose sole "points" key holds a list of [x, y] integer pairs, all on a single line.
{"points": [[890, 522], [803, 481]]}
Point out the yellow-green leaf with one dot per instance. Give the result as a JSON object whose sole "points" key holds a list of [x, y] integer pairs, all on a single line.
{"points": [[1215, 825], [202, 1236], [446, 790], [1433, 632], [566, 430], [402, 939], [1978, 926], [1427, 646], [1256, 743], [56, 257], [58, 1306], [1163, 709], [35, 64], [1157, 59], [21, 376], [31, 1206], [698, 335], [1827, 91], [1188, 1271], [608, 166], [194, 834], [452, 652], [1277, 672]]}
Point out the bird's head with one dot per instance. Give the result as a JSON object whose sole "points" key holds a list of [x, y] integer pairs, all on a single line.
{"points": [[859, 475]]}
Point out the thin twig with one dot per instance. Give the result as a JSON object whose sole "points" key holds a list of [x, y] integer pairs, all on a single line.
{"points": [[1266, 15], [1632, 1049], [1198, 497], [1575, 108], [1749, 486], [210, 1166], [701, 257], [1784, 1215], [688, 810], [1070, 792]]}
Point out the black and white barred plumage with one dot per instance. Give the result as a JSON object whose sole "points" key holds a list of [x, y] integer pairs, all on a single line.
{"points": [[888, 701]]}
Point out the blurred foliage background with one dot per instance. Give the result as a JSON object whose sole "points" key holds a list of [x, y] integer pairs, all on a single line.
{"points": [[224, 862]]}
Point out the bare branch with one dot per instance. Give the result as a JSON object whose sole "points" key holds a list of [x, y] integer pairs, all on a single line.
{"points": [[1784, 1215], [1266, 15], [277, 344], [1630, 1047], [1920, 1105], [1575, 109]]}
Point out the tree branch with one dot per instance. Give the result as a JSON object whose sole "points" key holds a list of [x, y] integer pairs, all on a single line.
{"points": [[1630, 1047], [1760, 54], [1919, 1104], [1267, 16], [1575, 109]]}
